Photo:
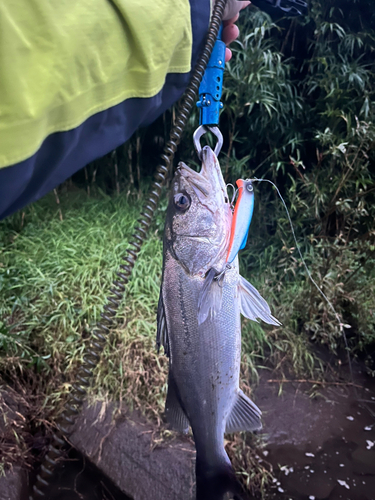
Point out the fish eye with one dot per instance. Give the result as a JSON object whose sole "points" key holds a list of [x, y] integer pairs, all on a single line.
{"points": [[182, 201]]}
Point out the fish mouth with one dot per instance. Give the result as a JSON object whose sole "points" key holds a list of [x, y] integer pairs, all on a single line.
{"points": [[201, 239], [209, 180]]}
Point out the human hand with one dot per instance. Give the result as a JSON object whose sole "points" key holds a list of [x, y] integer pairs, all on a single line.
{"points": [[230, 30]]}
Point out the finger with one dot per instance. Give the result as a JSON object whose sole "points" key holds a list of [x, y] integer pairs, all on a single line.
{"points": [[233, 7], [230, 33], [228, 54], [231, 21], [244, 4]]}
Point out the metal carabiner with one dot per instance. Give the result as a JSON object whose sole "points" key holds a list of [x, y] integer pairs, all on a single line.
{"points": [[203, 129]]}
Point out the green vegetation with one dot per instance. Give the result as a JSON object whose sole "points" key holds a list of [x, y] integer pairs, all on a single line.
{"points": [[304, 118], [299, 110], [55, 275]]}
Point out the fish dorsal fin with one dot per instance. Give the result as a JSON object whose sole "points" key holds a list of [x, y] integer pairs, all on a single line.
{"points": [[162, 331], [252, 304], [174, 413], [245, 415], [210, 297]]}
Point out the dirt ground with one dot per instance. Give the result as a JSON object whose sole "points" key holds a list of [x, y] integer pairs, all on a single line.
{"points": [[320, 447]]}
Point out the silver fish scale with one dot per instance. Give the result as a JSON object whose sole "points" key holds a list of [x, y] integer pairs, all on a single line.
{"points": [[204, 359]]}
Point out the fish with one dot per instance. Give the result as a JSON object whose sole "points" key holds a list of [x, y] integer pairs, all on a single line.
{"points": [[199, 326]]}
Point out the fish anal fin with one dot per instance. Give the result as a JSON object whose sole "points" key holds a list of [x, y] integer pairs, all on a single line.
{"points": [[245, 415], [174, 413]]}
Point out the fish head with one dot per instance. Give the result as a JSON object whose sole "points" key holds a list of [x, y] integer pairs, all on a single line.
{"points": [[199, 216]]}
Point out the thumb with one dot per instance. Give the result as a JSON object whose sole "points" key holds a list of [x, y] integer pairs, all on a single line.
{"points": [[233, 7]]}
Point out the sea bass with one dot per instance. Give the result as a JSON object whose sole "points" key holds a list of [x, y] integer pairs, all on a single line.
{"points": [[199, 325]]}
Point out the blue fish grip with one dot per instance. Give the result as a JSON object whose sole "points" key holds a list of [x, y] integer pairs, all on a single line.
{"points": [[211, 86]]}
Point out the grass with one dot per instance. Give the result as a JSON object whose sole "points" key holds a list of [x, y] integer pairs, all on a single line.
{"points": [[54, 277], [254, 472]]}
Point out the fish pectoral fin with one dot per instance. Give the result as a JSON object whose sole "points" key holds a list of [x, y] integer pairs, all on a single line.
{"points": [[245, 415], [174, 413], [162, 331], [210, 297], [252, 304]]}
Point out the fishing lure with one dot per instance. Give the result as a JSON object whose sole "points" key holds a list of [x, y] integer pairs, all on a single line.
{"points": [[242, 216]]}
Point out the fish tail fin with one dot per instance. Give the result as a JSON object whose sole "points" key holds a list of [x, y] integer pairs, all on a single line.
{"points": [[213, 482]]}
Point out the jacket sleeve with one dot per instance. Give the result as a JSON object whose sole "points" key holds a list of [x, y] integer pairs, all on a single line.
{"points": [[77, 81]]}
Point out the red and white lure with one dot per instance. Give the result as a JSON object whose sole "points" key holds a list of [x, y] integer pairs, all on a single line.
{"points": [[242, 216]]}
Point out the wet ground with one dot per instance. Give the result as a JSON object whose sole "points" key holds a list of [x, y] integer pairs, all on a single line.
{"points": [[322, 447]]}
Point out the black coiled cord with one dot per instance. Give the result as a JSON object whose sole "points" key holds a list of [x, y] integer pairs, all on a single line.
{"points": [[98, 338]]}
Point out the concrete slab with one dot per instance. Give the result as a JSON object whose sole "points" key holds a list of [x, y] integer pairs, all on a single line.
{"points": [[14, 485], [124, 450]]}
